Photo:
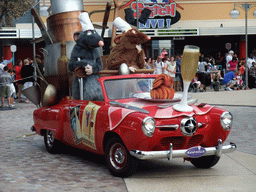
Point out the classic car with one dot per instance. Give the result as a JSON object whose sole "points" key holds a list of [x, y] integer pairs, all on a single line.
{"points": [[129, 126]]}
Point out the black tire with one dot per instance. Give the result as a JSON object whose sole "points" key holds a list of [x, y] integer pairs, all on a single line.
{"points": [[51, 144], [205, 161], [118, 159]]}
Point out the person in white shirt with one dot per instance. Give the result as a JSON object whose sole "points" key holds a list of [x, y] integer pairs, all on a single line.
{"points": [[229, 56], [250, 60], [202, 65], [159, 65]]}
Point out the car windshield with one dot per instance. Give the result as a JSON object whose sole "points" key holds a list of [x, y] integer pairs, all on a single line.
{"points": [[126, 88]]}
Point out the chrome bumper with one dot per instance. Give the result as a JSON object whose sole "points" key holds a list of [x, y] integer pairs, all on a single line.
{"points": [[218, 150]]}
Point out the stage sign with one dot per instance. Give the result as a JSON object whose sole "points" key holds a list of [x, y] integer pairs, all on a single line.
{"points": [[163, 13]]}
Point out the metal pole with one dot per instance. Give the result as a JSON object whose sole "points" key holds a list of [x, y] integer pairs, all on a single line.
{"points": [[34, 46], [137, 13], [13, 60], [81, 87], [246, 43]]}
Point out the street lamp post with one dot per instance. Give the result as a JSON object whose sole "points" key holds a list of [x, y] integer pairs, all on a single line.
{"points": [[235, 14]]}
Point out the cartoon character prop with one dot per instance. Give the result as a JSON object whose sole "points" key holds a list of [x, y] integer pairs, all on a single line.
{"points": [[128, 48], [162, 87], [85, 56]]}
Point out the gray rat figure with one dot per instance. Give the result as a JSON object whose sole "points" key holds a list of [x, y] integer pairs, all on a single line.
{"points": [[86, 54]]}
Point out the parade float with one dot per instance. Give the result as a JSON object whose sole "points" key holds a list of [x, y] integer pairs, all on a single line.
{"points": [[139, 116]]}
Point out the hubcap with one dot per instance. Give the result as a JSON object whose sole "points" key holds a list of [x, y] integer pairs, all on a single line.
{"points": [[50, 138], [117, 156]]}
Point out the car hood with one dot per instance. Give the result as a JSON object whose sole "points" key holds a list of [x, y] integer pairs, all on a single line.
{"points": [[118, 114]]}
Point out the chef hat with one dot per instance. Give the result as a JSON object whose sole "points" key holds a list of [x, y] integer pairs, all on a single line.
{"points": [[122, 25], [85, 21]]}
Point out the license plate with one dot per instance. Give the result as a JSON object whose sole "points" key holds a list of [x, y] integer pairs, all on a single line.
{"points": [[196, 152]]}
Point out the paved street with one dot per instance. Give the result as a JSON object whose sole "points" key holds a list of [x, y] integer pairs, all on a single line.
{"points": [[25, 165]]}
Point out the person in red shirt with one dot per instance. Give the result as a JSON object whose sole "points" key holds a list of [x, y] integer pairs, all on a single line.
{"points": [[242, 68], [164, 53], [18, 78], [233, 64]]}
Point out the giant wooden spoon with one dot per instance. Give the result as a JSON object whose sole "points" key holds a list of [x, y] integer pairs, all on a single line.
{"points": [[118, 4]]}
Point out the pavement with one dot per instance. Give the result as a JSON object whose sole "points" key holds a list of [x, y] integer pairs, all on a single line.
{"points": [[25, 165], [225, 98]]}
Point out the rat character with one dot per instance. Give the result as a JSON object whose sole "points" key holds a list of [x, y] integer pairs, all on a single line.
{"points": [[128, 49], [86, 54]]}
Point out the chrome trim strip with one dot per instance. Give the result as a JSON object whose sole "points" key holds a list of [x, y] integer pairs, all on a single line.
{"points": [[168, 126], [169, 154]]}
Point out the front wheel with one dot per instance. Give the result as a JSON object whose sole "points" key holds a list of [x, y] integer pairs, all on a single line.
{"points": [[205, 161], [51, 144], [118, 159]]}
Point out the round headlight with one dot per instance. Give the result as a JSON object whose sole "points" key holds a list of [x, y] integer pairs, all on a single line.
{"points": [[148, 126], [226, 120]]}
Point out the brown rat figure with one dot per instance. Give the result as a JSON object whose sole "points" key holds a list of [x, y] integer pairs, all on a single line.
{"points": [[128, 48]]}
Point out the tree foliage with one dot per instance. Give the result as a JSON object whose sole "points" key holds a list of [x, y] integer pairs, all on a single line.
{"points": [[13, 9]]}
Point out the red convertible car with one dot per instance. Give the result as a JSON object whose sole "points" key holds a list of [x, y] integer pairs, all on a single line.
{"points": [[128, 125]]}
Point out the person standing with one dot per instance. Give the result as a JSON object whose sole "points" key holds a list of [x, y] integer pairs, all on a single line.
{"points": [[27, 72], [148, 63], [5, 91], [4, 63], [165, 65], [159, 65], [171, 71], [252, 76], [153, 64], [232, 64], [178, 73], [201, 72], [178, 63], [31, 62], [249, 61], [18, 78], [12, 87], [229, 57]]}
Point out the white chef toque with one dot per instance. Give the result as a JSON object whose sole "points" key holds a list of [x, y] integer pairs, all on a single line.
{"points": [[121, 24], [85, 21]]}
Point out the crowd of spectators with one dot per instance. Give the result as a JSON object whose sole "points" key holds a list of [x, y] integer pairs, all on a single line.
{"points": [[213, 71], [12, 82]]}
